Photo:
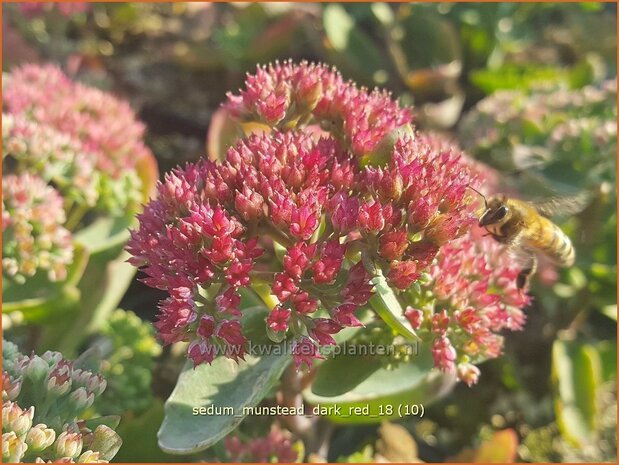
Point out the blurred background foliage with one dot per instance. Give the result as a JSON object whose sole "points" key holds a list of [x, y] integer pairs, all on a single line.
{"points": [[529, 88]]}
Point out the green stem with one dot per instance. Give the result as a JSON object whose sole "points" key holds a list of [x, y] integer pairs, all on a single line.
{"points": [[277, 235], [264, 292], [75, 216]]}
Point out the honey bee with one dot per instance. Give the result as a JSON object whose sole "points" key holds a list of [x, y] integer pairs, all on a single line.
{"points": [[525, 227]]}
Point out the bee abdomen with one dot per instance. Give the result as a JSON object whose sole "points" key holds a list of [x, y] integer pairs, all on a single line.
{"points": [[557, 246]]}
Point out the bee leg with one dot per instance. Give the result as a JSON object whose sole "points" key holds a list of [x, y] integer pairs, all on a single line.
{"points": [[525, 274]]}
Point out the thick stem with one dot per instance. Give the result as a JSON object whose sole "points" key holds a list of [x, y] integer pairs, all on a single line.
{"points": [[290, 396]]}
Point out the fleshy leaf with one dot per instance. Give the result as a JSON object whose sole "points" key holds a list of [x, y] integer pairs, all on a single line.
{"points": [[576, 375], [222, 384], [371, 385], [386, 304]]}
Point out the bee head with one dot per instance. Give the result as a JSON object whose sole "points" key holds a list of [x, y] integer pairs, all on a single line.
{"points": [[497, 212]]}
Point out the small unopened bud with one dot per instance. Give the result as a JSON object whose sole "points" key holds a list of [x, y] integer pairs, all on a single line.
{"points": [[59, 378], [10, 387], [414, 317], [13, 448], [15, 419], [35, 368], [81, 398], [309, 92], [90, 457], [92, 382], [52, 357], [68, 444], [249, 204], [40, 437]]}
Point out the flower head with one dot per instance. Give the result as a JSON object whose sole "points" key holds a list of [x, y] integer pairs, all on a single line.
{"points": [[34, 237], [312, 212]]}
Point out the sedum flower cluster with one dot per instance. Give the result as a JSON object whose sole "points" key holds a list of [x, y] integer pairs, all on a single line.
{"points": [[338, 188], [70, 154], [469, 299], [275, 447], [33, 232], [128, 369], [43, 399], [32, 9]]}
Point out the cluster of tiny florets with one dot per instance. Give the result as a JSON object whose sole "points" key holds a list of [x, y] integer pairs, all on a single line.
{"points": [[217, 227], [286, 96], [276, 447], [70, 155], [33, 9], [33, 235], [104, 125], [44, 399], [470, 299]]}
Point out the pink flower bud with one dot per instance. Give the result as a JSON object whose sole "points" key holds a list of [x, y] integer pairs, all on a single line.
{"points": [[414, 317], [371, 217], [322, 330], [284, 286], [13, 448], [10, 387], [444, 354], [468, 373], [15, 419], [393, 244], [201, 352], [278, 319], [68, 445], [303, 303], [59, 378], [206, 327], [403, 273], [297, 259], [304, 351], [440, 322], [40, 437], [344, 314], [249, 204]]}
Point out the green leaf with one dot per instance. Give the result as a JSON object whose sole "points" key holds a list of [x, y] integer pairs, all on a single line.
{"points": [[102, 286], [40, 300], [223, 384], [111, 421], [105, 234], [140, 438], [386, 304], [610, 311], [608, 358], [338, 26], [354, 52], [576, 375], [370, 386]]}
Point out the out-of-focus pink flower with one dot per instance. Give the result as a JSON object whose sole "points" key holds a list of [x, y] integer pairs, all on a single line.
{"points": [[276, 447], [304, 351], [33, 9], [103, 125], [33, 234]]}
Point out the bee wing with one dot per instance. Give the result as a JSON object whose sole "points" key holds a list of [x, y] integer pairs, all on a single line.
{"points": [[569, 205]]}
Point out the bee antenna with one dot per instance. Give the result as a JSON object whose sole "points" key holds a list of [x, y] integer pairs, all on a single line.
{"points": [[482, 195]]}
